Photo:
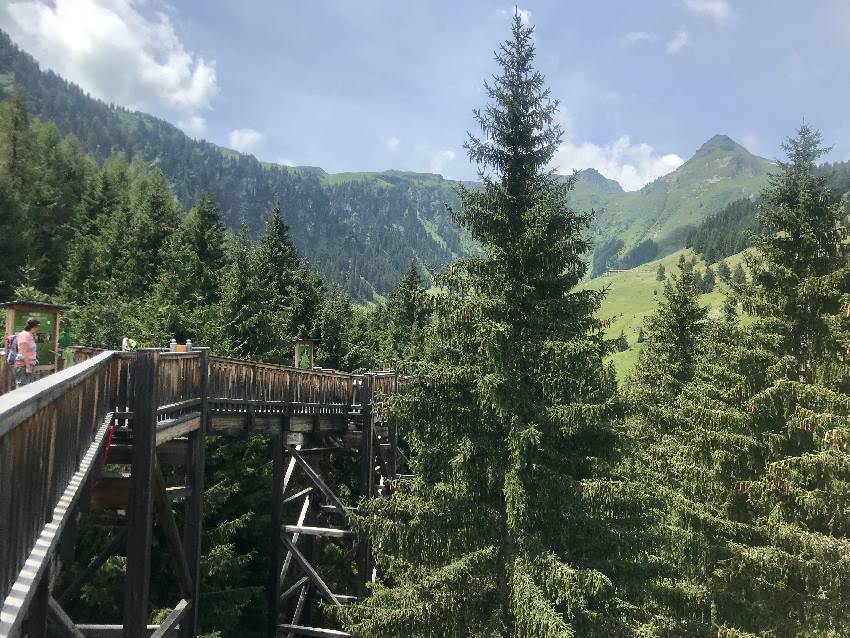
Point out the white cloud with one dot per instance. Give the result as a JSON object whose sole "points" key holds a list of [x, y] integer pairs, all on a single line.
{"points": [[632, 38], [285, 162], [633, 165], [391, 143], [193, 125], [718, 10], [112, 50], [524, 14], [440, 160], [244, 139], [678, 42]]}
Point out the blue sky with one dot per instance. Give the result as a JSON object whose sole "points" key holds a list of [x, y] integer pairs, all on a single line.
{"points": [[373, 85]]}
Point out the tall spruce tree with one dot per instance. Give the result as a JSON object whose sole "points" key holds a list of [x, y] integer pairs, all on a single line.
{"points": [[206, 236], [750, 456], [666, 362], [691, 446], [401, 320], [512, 526], [790, 579], [242, 303]]}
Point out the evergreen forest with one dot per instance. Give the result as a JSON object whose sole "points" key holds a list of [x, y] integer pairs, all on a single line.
{"points": [[703, 495]]}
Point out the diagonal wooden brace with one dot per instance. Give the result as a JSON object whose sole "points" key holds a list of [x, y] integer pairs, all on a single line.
{"points": [[287, 563], [58, 616], [172, 534], [172, 621], [318, 482], [309, 571]]}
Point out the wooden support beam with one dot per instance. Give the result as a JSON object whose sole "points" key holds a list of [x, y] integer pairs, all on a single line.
{"points": [[177, 427], [36, 622], [314, 632], [140, 510], [289, 471], [296, 438], [223, 421], [319, 531], [169, 625], [287, 563], [367, 480], [96, 563], [297, 495], [195, 461], [178, 491], [299, 607], [172, 534], [309, 570], [295, 587], [280, 478], [171, 452], [110, 631], [113, 489], [316, 480], [61, 619]]}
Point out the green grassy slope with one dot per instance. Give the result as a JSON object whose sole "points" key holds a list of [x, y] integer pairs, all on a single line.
{"points": [[632, 296]]}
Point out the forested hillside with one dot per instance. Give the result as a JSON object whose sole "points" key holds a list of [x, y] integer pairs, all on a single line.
{"points": [[733, 228], [361, 230]]}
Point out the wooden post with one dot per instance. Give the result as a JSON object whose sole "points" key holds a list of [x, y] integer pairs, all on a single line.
{"points": [[194, 508], [392, 464], [36, 623], [367, 478], [276, 557], [140, 507]]}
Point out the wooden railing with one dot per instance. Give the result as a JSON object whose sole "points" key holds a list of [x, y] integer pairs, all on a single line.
{"points": [[7, 376], [50, 434], [237, 386]]}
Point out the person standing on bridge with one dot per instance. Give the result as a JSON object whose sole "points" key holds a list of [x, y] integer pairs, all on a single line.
{"points": [[27, 356]]}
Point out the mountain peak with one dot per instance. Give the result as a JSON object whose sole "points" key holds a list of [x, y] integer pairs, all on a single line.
{"points": [[592, 176], [722, 143]]}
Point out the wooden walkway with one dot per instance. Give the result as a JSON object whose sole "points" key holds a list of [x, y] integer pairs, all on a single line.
{"points": [[152, 409]]}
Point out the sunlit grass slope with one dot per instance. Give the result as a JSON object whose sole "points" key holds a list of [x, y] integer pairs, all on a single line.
{"points": [[632, 296]]}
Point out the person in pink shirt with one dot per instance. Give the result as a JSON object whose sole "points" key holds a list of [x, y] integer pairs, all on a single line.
{"points": [[27, 357]]}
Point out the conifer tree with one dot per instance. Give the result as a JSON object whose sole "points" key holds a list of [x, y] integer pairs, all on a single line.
{"points": [[709, 281], [242, 303], [667, 359], [724, 272], [17, 150], [660, 274], [690, 443], [512, 526], [739, 277], [790, 578], [83, 267], [403, 317], [12, 256], [750, 456], [206, 236]]}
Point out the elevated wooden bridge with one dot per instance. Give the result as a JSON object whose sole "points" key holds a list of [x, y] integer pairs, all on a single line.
{"points": [[151, 411]]}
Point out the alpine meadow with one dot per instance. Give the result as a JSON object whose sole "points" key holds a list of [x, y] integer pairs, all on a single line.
{"points": [[536, 380]]}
